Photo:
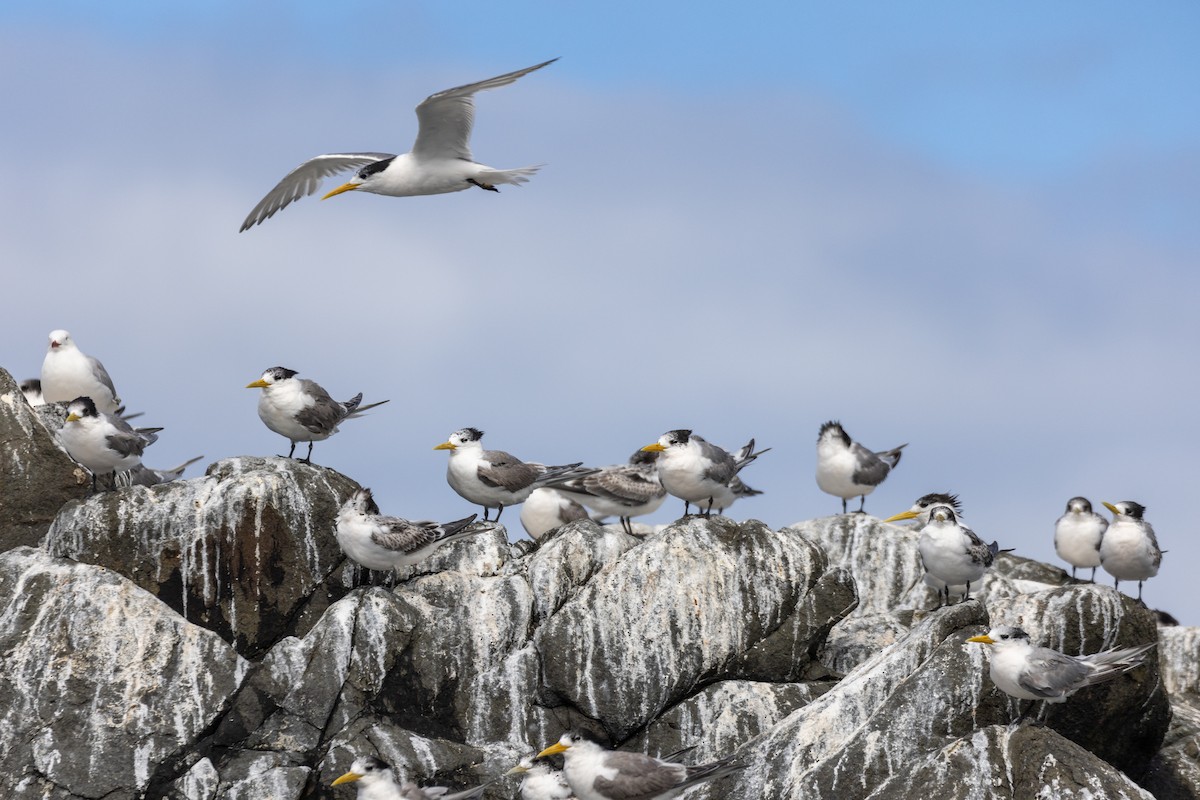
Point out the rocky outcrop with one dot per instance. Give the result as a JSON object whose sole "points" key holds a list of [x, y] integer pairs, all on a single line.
{"points": [[36, 475], [211, 642]]}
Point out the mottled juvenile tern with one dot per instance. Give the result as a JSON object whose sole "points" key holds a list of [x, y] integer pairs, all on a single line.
{"points": [[376, 781], [301, 410], [952, 552], [101, 442], [548, 509], [1129, 550], [494, 478], [624, 491], [1077, 535], [31, 388], [440, 160], [595, 773], [540, 782], [385, 543], [694, 470], [846, 469], [68, 373], [1026, 672]]}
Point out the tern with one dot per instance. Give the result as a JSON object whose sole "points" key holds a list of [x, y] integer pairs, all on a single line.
{"points": [[540, 782], [384, 543], [440, 160], [1129, 550], [695, 470], [376, 781], [1077, 535], [548, 509], [846, 469], [624, 491], [103, 443], [952, 552]]}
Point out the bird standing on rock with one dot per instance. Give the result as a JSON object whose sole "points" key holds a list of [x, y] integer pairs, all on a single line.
{"points": [[385, 543], [846, 469], [440, 160], [694, 470], [1026, 672], [103, 443], [952, 552], [624, 491], [376, 781], [68, 373], [1077, 535], [1129, 550], [300, 410]]}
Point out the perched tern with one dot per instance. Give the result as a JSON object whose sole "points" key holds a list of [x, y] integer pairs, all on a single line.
{"points": [[952, 552], [624, 491], [103, 443], [846, 469], [440, 160], [376, 781], [547, 509], [1027, 672], [494, 478], [1129, 550], [386, 543], [595, 773], [141, 475], [1077, 535], [32, 390], [919, 514], [68, 373], [301, 410], [694, 470], [736, 489], [540, 782]]}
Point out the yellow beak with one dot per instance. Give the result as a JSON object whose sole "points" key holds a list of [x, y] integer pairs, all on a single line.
{"points": [[445, 446], [902, 516], [345, 187], [983, 639], [73, 418], [553, 749], [258, 384], [653, 448], [349, 777], [1111, 508]]}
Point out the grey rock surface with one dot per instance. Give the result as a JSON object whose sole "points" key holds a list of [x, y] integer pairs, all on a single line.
{"points": [[36, 475]]}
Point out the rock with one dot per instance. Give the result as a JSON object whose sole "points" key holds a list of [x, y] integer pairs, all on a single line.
{"points": [[102, 685], [37, 475], [247, 551], [685, 607], [1174, 772]]}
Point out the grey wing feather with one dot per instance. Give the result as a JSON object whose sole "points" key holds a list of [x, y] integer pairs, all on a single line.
{"points": [[980, 552], [870, 469], [625, 484], [446, 118], [130, 442], [507, 471], [403, 536], [101, 374], [723, 467], [638, 776], [324, 414], [305, 180], [1052, 674]]}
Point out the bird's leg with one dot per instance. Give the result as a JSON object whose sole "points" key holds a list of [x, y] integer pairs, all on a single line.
{"points": [[1072, 572], [486, 186], [485, 513], [627, 525], [308, 458], [499, 511], [966, 596], [862, 504], [686, 506], [1093, 574], [292, 451], [843, 505], [708, 511], [1025, 714], [1140, 593]]}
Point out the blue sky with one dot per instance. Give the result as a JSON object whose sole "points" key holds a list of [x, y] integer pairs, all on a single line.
{"points": [[963, 226]]}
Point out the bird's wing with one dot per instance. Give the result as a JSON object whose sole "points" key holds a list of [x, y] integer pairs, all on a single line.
{"points": [[130, 442], [446, 117], [638, 776], [869, 469], [625, 484], [305, 180], [403, 536], [101, 374], [1052, 674], [507, 471], [977, 549], [722, 467], [324, 414]]}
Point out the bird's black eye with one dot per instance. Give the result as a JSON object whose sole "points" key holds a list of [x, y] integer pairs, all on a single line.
{"points": [[1004, 636]]}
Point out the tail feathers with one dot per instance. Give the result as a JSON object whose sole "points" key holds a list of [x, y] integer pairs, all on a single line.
{"points": [[892, 457], [563, 474], [455, 529], [1112, 663], [149, 435], [513, 177], [711, 772], [747, 454], [355, 410]]}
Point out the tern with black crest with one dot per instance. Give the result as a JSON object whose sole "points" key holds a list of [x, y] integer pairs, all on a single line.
{"points": [[1129, 550], [695, 470], [952, 552], [440, 160], [103, 443], [375, 780], [846, 469]]}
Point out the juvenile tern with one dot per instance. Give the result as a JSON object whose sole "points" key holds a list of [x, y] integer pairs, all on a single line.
{"points": [[440, 160], [31, 388], [141, 475], [595, 773], [846, 469], [1129, 550], [301, 410], [68, 373], [1027, 672], [101, 442], [1077, 535], [376, 781], [540, 782], [624, 491], [547, 509], [384, 543], [952, 552], [494, 478], [694, 470], [919, 514]]}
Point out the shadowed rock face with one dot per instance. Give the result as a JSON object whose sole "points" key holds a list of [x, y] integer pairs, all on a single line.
{"points": [[815, 653], [36, 475]]}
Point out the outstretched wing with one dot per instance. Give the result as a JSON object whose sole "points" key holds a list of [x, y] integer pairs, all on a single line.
{"points": [[305, 180]]}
